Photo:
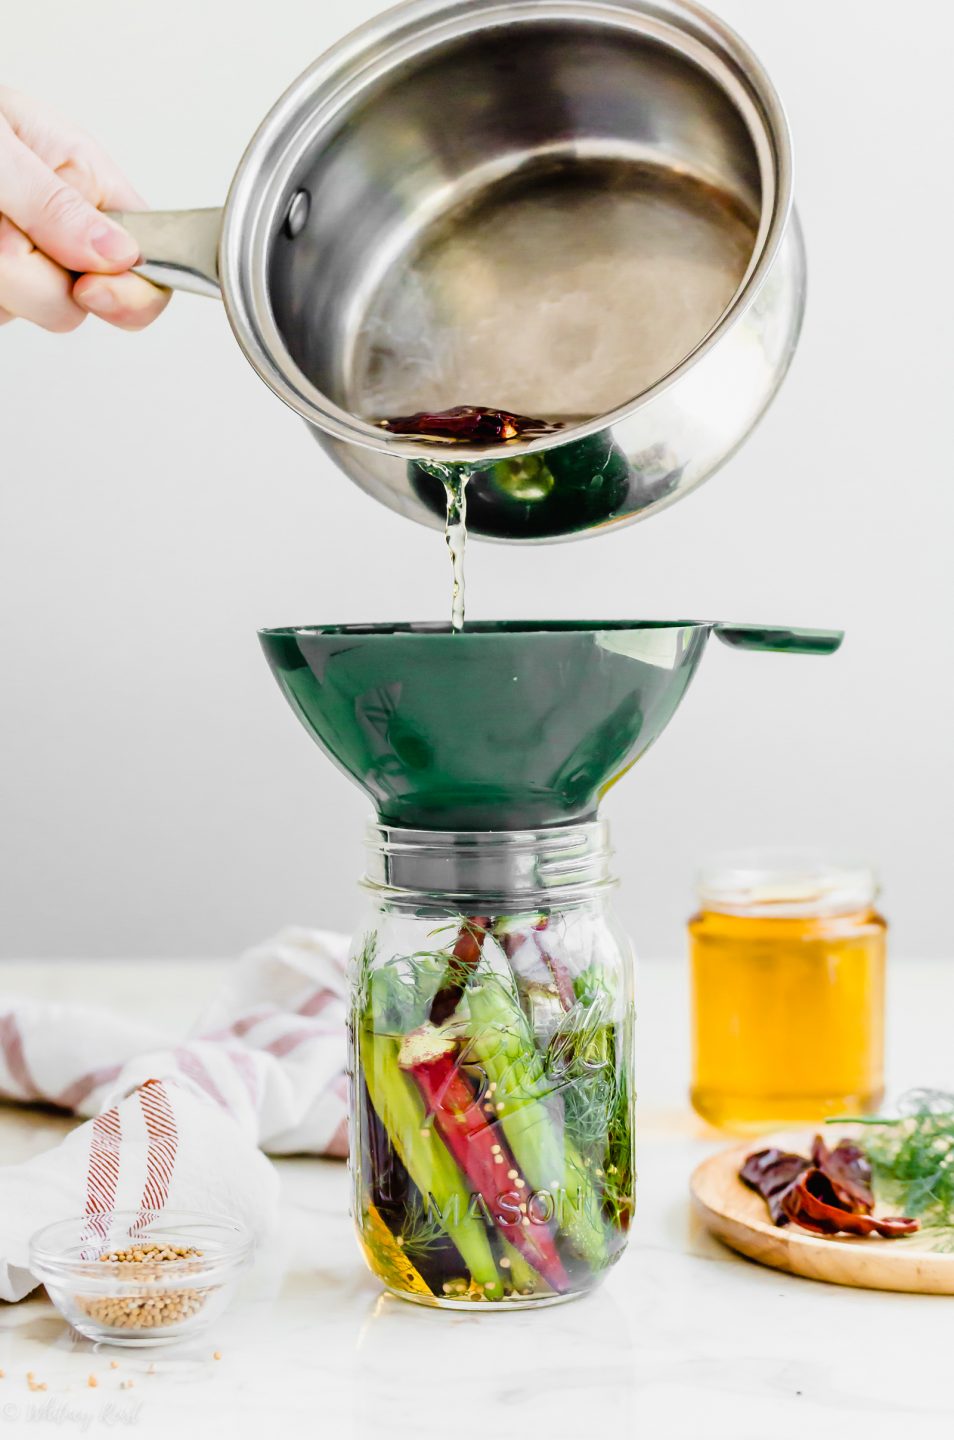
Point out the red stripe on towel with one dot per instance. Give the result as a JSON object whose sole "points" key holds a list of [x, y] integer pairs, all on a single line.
{"points": [[245, 1023], [316, 1002], [284, 1044], [242, 1025], [11, 1047], [102, 1174], [195, 1069], [163, 1144], [245, 1065], [338, 1144], [74, 1094]]}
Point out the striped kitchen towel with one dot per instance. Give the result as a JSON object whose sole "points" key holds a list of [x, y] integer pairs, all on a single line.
{"points": [[184, 1124]]}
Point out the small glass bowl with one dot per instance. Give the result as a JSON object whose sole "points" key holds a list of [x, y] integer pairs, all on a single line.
{"points": [[150, 1299]]}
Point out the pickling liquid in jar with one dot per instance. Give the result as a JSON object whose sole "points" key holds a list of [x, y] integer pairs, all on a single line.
{"points": [[788, 972], [492, 1067]]}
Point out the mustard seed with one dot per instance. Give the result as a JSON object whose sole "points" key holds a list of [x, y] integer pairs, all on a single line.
{"points": [[152, 1308]]}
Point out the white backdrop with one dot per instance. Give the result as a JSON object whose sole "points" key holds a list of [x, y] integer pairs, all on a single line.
{"points": [[157, 504]]}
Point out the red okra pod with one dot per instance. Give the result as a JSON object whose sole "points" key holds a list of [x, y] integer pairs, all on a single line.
{"points": [[482, 1154]]}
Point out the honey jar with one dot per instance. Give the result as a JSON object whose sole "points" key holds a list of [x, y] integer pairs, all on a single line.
{"points": [[787, 957]]}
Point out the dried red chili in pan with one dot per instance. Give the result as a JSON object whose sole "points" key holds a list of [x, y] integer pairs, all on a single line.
{"points": [[468, 424]]}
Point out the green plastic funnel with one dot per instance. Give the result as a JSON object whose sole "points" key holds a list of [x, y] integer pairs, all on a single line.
{"points": [[509, 725]]}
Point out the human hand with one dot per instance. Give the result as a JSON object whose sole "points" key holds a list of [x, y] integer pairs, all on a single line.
{"points": [[60, 258]]}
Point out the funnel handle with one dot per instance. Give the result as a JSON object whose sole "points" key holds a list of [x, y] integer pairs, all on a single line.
{"points": [[780, 638], [178, 248]]}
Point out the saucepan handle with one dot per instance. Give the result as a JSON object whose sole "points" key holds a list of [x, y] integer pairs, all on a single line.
{"points": [[179, 248], [781, 638]]}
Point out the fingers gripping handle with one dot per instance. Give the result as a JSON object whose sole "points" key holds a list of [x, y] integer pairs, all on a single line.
{"points": [[178, 248]]}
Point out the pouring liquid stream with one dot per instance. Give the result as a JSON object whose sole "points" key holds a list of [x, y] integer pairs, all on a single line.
{"points": [[463, 425], [455, 534], [454, 479]]}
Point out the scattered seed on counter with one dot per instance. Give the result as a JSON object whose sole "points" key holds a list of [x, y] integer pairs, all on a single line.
{"points": [[216, 1354], [92, 1382], [114, 1364]]}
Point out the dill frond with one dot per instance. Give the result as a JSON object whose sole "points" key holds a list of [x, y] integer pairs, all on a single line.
{"points": [[912, 1157]]}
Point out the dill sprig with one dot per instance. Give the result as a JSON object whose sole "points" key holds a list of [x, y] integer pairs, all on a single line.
{"points": [[421, 1231], [912, 1157], [395, 995], [580, 1055]]}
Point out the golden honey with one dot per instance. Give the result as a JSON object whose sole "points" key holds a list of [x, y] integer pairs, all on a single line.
{"points": [[788, 974]]}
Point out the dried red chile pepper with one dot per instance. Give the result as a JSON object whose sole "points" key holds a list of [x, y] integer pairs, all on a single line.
{"points": [[829, 1194], [772, 1173], [848, 1170], [466, 956], [467, 425], [813, 1204]]}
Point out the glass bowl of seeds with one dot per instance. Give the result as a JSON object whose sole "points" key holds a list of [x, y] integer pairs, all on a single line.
{"points": [[132, 1277]]}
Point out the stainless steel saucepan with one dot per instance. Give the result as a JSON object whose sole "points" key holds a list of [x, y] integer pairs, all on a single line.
{"points": [[574, 210]]}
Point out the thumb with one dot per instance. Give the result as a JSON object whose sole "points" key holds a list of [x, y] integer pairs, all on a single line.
{"points": [[56, 217]]}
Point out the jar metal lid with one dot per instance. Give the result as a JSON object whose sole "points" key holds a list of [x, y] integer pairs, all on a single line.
{"points": [[785, 883]]}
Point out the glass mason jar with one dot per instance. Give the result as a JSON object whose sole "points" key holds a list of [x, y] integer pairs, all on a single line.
{"points": [[492, 1066], [787, 958]]}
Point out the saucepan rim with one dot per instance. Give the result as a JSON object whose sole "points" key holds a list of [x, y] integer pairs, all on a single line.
{"points": [[252, 216]]}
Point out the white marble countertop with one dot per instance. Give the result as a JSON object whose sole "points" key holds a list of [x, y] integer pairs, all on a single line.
{"points": [[684, 1339]]}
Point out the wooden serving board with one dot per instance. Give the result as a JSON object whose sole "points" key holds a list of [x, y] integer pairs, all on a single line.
{"points": [[739, 1217]]}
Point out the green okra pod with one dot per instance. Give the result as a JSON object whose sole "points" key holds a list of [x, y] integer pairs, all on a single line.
{"points": [[401, 1110], [500, 1042]]}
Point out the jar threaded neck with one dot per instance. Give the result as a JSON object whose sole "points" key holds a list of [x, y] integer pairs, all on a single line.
{"points": [[557, 865]]}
